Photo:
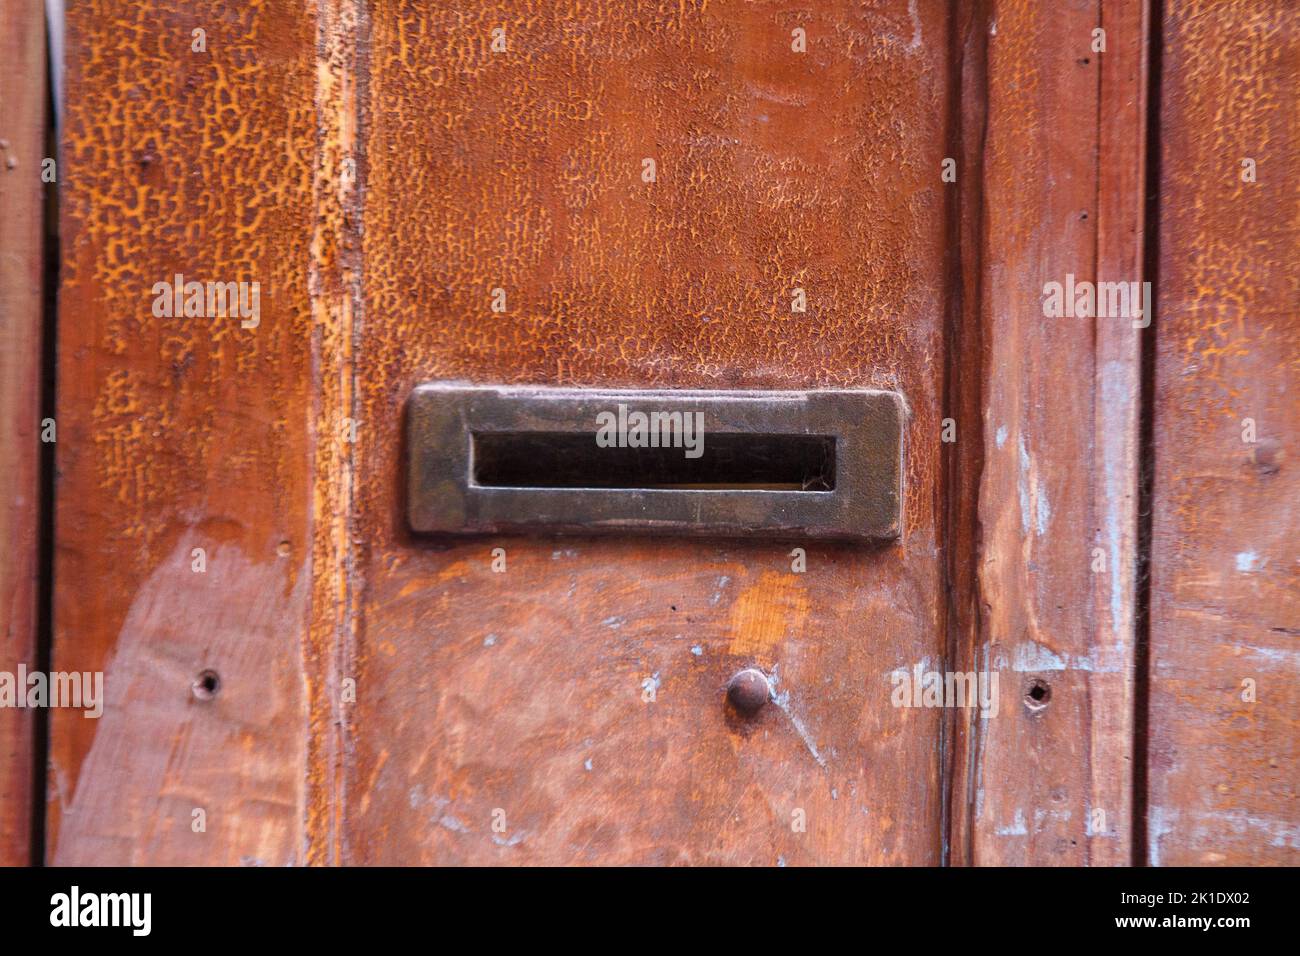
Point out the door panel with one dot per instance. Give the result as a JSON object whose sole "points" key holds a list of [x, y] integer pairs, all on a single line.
{"points": [[1225, 583], [518, 698], [22, 92], [687, 196], [184, 455], [1054, 530]]}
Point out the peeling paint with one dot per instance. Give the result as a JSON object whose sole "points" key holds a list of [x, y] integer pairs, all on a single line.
{"points": [[1035, 510]]}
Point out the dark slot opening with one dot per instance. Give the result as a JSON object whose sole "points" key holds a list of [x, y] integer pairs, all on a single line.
{"points": [[728, 462]]}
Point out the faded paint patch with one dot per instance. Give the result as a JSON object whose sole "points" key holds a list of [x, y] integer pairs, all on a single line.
{"points": [[1035, 510], [1278, 655], [155, 747], [1209, 826], [1161, 822], [764, 613], [1115, 398], [1031, 657], [1017, 826], [782, 700]]}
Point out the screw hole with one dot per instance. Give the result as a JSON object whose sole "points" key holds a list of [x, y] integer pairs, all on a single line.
{"points": [[1038, 694], [206, 685]]}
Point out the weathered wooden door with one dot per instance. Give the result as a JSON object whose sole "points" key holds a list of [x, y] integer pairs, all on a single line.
{"points": [[643, 195]]}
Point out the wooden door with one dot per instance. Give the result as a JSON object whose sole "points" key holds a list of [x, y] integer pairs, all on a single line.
{"points": [[696, 195]]}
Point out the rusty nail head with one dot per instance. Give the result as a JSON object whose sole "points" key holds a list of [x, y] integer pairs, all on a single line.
{"points": [[748, 690]]}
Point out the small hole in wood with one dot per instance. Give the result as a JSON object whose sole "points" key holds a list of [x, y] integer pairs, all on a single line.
{"points": [[206, 685], [1038, 694]]}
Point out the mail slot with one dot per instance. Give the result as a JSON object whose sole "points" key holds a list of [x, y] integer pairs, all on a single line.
{"points": [[826, 463]]}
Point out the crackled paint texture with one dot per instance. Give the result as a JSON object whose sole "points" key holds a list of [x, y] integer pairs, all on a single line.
{"points": [[522, 170], [1226, 552], [380, 170], [183, 433]]}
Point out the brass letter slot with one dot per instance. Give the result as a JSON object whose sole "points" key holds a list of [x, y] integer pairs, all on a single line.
{"points": [[818, 464]]}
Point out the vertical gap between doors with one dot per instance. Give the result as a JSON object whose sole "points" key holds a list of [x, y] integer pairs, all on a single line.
{"points": [[46, 469], [1146, 448]]}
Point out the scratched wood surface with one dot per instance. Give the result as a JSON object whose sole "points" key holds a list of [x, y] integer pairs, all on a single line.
{"points": [[22, 147], [504, 717], [178, 434], [381, 170], [1225, 586], [1049, 781]]}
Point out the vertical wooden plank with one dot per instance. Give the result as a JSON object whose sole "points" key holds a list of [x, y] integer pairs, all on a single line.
{"points": [[524, 691], [23, 111], [1225, 582], [1046, 781], [184, 537], [334, 279], [1117, 403]]}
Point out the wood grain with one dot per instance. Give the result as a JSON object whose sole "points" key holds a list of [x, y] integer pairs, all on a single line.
{"points": [[517, 698], [182, 433], [23, 106], [1050, 782], [1225, 586], [383, 168]]}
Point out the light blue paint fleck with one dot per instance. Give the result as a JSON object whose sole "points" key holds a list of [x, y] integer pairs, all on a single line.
{"points": [[490, 640], [1116, 397], [697, 650], [1017, 827], [614, 622], [1158, 827], [1022, 488], [782, 701], [1248, 561], [1031, 656], [588, 764], [1035, 511], [1002, 435], [1279, 655]]}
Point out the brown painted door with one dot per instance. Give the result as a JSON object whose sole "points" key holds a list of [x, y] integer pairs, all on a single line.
{"points": [[695, 195], [655, 191]]}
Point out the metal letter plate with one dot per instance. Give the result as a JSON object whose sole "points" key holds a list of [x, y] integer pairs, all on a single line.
{"points": [[756, 436]]}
